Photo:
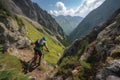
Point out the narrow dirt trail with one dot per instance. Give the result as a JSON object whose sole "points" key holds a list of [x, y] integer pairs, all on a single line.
{"points": [[37, 74]]}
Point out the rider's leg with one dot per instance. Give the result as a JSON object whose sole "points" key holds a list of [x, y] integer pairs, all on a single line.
{"points": [[39, 60], [32, 61], [35, 58], [40, 56]]}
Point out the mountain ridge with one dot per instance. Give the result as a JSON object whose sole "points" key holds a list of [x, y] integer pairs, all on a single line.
{"points": [[95, 17]]}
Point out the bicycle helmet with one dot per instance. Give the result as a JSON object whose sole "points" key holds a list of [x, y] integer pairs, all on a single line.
{"points": [[44, 38]]}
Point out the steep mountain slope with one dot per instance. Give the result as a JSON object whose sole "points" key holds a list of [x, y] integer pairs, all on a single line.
{"points": [[68, 23], [18, 32], [94, 57], [95, 17], [33, 11], [54, 45]]}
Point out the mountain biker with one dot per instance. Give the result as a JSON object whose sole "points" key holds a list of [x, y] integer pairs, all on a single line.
{"points": [[39, 44]]}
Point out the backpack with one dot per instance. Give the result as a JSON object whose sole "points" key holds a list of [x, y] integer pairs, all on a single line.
{"points": [[38, 42]]}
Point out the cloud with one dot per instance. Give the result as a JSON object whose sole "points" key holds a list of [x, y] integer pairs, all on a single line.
{"points": [[61, 6], [62, 10], [87, 6], [82, 10]]}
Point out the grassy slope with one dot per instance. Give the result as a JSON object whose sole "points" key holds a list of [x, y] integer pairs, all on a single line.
{"points": [[12, 64], [33, 34], [10, 68], [54, 46], [69, 64]]}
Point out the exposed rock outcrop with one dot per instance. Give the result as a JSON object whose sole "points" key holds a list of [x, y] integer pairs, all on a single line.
{"points": [[111, 72], [12, 34]]}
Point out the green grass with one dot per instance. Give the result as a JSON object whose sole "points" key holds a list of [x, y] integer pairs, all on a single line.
{"points": [[69, 63], [0, 48], [12, 68], [4, 12], [10, 61], [53, 45], [83, 47], [43, 68], [85, 64], [10, 74], [19, 21]]}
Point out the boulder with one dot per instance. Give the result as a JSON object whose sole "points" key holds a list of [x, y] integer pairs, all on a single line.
{"points": [[113, 78], [23, 43], [112, 70], [13, 33]]}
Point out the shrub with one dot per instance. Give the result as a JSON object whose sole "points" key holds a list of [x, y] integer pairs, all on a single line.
{"points": [[116, 53], [19, 21], [82, 47], [67, 65], [10, 74], [85, 65], [4, 12]]}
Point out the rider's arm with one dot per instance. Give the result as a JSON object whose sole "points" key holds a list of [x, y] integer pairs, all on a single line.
{"points": [[46, 46]]}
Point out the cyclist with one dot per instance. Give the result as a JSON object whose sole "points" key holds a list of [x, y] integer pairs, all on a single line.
{"points": [[39, 44]]}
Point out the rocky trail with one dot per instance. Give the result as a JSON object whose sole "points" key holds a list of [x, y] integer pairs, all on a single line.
{"points": [[38, 73]]}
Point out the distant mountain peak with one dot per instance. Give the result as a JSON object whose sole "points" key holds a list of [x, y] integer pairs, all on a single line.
{"points": [[68, 23]]}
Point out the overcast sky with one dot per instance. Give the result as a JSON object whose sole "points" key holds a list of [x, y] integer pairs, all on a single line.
{"points": [[69, 7]]}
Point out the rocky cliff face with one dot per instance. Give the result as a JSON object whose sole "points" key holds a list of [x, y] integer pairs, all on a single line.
{"points": [[97, 16], [98, 59], [12, 31], [33, 11]]}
